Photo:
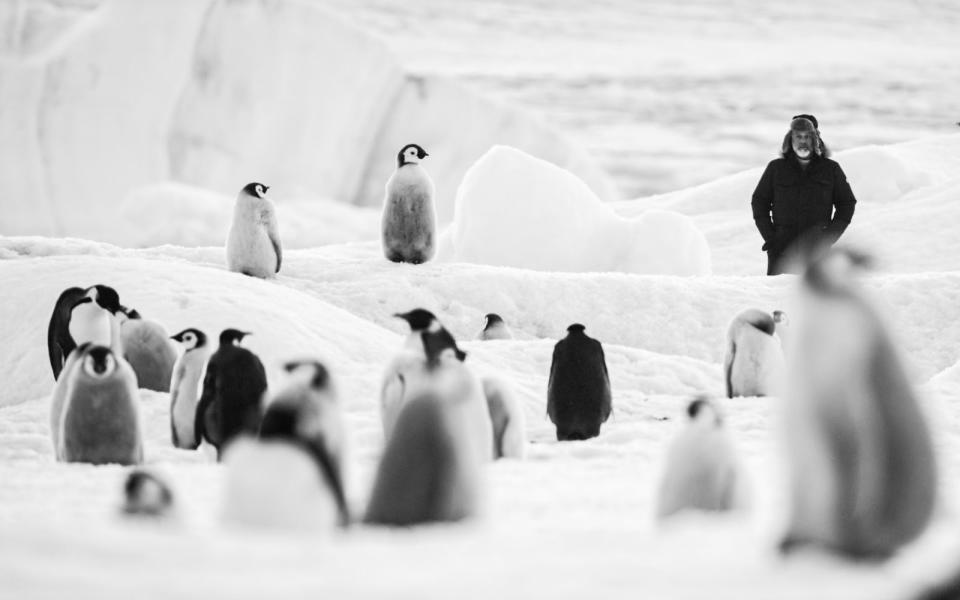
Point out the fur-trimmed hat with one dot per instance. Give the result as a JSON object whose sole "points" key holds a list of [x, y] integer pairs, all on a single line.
{"points": [[804, 123]]}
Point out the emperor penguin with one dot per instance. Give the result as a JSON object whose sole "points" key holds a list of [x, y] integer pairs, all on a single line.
{"points": [[291, 476], [430, 469], [861, 465], [578, 391], [80, 316], [409, 364], [702, 470], [494, 328], [409, 221], [147, 494], [185, 387], [99, 416], [507, 419], [753, 364], [253, 244], [148, 349], [233, 388], [782, 328]]}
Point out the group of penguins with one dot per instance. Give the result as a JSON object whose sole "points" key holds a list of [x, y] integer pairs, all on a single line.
{"points": [[861, 463]]}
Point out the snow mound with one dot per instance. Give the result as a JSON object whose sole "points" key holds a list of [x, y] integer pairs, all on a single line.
{"points": [[107, 96], [516, 210]]}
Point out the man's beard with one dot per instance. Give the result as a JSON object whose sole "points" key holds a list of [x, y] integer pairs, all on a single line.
{"points": [[803, 153]]}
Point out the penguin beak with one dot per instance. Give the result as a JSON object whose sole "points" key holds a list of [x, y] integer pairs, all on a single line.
{"points": [[425, 155], [83, 300], [266, 188]]}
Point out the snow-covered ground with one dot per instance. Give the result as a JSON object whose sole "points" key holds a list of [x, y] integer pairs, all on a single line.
{"points": [[573, 519], [662, 98]]}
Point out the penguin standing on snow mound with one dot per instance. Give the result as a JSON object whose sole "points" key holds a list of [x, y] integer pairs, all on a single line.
{"points": [[753, 365], [863, 476], [494, 328], [185, 387], [233, 387], [409, 222], [146, 494], [430, 469], [253, 244], [578, 391], [702, 471], [149, 351], [80, 316], [507, 419], [292, 475], [99, 420]]}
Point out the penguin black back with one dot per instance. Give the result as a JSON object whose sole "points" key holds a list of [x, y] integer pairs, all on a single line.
{"points": [[232, 389], [59, 342], [578, 392]]}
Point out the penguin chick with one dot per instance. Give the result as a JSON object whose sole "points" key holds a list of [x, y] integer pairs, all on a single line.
{"points": [[233, 387], [409, 220], [702, 471], [253, 244], [292, 475], [753, 364], [149, 351], [147, 494], [185, 387], [494, 328]]}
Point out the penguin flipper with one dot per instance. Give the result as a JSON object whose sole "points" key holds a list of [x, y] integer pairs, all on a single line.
{"points": [[206, 399], [728, 368], [274, 234], [331, 474]]}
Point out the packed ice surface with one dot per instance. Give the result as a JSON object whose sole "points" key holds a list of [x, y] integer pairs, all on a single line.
{"points": [[573, 519], [516, 210], [102, 97]]}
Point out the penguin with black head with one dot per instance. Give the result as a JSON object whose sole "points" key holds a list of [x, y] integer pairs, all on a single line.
{"points": [[291, 475], [579, 400], [80, 316], [185, 387], [409, 221], [233, 387], [494, 328]]}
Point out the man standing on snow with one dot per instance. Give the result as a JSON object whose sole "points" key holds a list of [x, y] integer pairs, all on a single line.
{"points": [[793, 205]]}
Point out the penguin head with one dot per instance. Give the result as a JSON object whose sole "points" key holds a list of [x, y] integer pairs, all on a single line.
{"points": [[257, 190], [702, 409], [316, 374], [834, 272], [191, 338], [491, 319], [411, 154], [98, 361], [420, 319], [780, 317], [146, 494], [577, 329], [105, 296], [232, 337]]}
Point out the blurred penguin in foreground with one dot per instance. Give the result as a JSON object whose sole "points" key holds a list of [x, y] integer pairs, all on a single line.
{"points": [[861, 464]]}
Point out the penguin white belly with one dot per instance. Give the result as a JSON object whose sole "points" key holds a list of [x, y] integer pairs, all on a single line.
{"points": [[91, 323], [249, 249], [275, 485], [757, 368], [185, 393], [409, 219], [508, 423], [701, 473]]}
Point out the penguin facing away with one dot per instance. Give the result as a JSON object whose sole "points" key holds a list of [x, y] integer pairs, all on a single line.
{"points": [[702, 471], [429, 471], [863, 476], [253, 244], [409, 220], [149, 351], [99, 418], [292, 475], [579, 400], [409, 366], [233, 386], [507, 419], [753, 364], [185, 387], [494, 328]]}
